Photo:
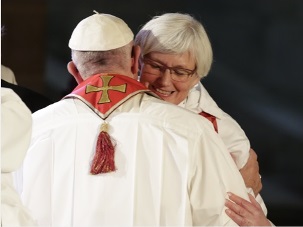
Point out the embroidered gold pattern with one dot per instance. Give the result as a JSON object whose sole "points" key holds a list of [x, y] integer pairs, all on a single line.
{"points": [[104, 96]]}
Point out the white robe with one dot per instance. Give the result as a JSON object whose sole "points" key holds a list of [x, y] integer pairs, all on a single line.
{"points": [[229, 130], [16, 127], [170, 171]]}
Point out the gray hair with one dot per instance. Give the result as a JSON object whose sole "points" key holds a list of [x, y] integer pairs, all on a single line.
{"points": [[176, 33], [90, 63]]}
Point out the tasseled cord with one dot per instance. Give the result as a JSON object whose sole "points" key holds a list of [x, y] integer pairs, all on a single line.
{"points": [[103, 161]]}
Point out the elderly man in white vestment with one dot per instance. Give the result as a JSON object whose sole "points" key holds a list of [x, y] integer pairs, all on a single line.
{"points": [[110, 153], [16, 125]]}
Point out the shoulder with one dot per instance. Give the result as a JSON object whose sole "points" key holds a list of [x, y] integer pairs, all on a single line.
{"points": [[8, 94], [199, 100], [49, 115], [8, 75], [63, 107], [11, 101], [228, 128], [208, 105], [174, 116]]}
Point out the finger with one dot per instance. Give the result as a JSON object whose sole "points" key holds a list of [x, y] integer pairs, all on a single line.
{"points": [[242, 203], [237, 218], [237, 209]]}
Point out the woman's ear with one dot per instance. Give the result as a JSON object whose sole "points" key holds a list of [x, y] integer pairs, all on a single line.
{"points": [[72, 69], [135, 59]]}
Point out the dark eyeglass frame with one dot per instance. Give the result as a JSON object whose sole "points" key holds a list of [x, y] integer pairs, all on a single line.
{"points": [[177, 73]]}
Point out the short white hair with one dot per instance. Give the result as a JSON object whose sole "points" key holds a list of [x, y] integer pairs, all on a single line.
{"points": [[90, 63], [176, 33]]}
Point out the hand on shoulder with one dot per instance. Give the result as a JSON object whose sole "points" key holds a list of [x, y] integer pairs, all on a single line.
{"points": [[245, 213]]}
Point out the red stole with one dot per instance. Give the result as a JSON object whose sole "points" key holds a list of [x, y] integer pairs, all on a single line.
{"points": [[103, 93], [211, 118]]}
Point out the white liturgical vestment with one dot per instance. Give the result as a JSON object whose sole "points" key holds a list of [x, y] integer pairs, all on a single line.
{"points": [[172, 169], [229, 130], [16, 125]]}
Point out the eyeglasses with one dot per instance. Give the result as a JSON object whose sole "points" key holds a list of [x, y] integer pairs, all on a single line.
{"points": [[177, 74]]}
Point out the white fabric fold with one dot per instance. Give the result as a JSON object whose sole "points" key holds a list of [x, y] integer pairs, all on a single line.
{"points": [[177, 177]]}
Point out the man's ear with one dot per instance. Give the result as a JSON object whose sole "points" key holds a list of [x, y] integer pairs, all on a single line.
{"points": [[135, 59], [72, 69]]}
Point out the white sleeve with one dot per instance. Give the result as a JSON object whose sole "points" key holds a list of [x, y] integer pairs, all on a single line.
{"points": [[214, 174], [16, 124], [16, 129], [234, 139]]}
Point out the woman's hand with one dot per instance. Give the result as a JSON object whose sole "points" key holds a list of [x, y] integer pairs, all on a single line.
{"points": [[245, 213]]}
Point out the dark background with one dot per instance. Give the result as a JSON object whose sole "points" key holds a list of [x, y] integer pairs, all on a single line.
{"points": [[256, 76]]}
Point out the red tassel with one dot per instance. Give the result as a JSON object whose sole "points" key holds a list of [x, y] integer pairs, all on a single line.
{"points": [[103, 161]]}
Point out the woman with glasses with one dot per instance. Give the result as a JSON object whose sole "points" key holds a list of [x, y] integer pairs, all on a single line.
{"points": [[175, 55]]}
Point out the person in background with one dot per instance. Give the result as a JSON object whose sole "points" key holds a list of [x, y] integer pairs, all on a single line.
{"points": [[33, 100], [8, 75], [175, 55], [112, 153], [16, 128]]}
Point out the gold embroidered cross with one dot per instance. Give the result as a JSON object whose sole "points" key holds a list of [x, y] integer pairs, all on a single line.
{"points": [[104, 97]]}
